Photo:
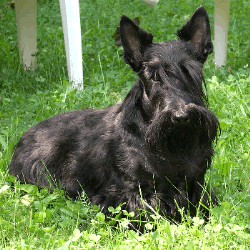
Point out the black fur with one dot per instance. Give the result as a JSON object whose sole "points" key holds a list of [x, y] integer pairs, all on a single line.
{"points": [[153, 150]]}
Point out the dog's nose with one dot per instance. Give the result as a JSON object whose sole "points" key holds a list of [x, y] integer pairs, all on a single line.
{"points": [[181, 117]]}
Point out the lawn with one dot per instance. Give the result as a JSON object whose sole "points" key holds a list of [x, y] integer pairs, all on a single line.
{"points": [[37, 219]]}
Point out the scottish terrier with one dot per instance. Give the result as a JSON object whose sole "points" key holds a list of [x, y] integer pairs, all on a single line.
{"points": [[150, 152]]}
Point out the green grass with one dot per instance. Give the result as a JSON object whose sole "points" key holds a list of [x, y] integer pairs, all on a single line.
{"points": [[33, 219]]}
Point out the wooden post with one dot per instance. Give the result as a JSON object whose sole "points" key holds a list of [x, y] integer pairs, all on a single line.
{"points": [[221, 20], [26, 31], [72, 40]]}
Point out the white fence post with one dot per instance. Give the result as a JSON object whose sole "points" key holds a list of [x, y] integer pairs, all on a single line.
{"points": [[72, 40], [26, 31], [221, 20]]}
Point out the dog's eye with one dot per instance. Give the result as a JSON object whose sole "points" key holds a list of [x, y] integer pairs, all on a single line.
{"points": [[156, 77]]}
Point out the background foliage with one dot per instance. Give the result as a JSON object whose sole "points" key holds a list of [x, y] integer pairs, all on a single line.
{"points": [[33, 219]]}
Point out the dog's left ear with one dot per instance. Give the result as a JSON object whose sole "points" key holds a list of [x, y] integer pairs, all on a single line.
{"points": [[197, 30], [133, 40]]}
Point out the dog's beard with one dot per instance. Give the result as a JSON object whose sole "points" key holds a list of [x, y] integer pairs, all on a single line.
{"points": [[164, 135]]}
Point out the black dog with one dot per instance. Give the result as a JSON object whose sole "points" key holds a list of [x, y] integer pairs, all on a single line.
{"points": [[153, 150]]}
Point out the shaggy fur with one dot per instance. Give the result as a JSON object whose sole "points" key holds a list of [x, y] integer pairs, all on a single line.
{"points": [[152, 150]]}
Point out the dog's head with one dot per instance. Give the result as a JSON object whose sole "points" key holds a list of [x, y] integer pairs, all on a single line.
{"points": [[171, 77]]}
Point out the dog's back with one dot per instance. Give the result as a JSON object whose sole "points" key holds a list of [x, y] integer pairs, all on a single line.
{"points": [[50, 151]]}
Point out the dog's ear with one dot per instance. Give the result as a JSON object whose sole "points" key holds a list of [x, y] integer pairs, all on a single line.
{"points": [[133, 40], [197, 30]]}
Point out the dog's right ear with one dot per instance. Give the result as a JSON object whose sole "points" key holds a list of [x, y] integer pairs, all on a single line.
{"points": [[197, 30], [133, 40]]}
